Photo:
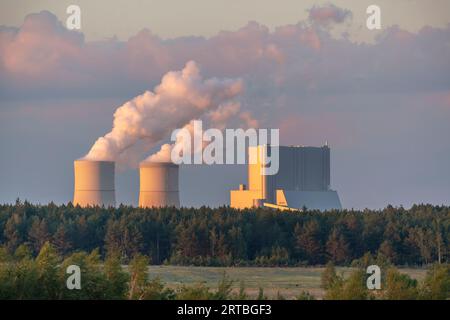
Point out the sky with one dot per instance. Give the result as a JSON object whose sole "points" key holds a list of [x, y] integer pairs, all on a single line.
{"points": [[310, 68]]}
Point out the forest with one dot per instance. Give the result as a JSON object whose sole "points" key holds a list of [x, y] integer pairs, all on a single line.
{"points": [[228, 237], [45, 277]]}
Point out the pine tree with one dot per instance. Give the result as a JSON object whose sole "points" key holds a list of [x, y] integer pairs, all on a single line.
{"points": [[138, 277], [337, 247], [386, 250], [61, 241], [236, 243], [38, 234], [11, 233], [47, 269], [117, 278], [113, 239], [308, 241], [131, 241]]}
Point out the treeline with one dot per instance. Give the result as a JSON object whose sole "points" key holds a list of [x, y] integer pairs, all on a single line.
{"points": [[46, 277], [224, 236]]}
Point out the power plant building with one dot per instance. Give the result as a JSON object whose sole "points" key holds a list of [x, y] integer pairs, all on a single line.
{"points": [[158, 184], [94, 183], [303, 180]]}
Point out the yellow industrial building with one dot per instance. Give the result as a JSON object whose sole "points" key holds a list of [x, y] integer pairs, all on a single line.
{"points": [[303, 180]]}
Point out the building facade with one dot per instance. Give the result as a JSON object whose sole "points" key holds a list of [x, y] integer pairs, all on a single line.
{"points": [[303, 180]]}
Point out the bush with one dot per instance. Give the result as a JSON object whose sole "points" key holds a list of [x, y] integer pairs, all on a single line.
{"points": [[399, 286], [436, 285], [353, 288]]}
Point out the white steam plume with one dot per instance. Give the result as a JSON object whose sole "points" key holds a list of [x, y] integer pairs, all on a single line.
{"points": [[218, 118], [164, 153], [149, 118]]}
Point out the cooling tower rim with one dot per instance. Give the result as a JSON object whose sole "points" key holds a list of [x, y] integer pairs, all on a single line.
{"points": [[95, 161], [150, 164]]}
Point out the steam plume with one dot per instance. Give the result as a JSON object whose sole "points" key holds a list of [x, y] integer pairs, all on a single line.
{"points": [[182, 96], [218, 118]]}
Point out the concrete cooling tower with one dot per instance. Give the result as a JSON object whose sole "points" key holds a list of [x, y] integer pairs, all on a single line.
{"points": [[158, 184], [94, 183]]}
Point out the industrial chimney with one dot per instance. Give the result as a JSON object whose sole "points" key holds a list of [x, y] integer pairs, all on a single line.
{"points": [[94, 183], [158, 184]]}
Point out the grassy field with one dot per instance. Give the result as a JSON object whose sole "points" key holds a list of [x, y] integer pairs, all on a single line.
{"points": [[287, 281]]}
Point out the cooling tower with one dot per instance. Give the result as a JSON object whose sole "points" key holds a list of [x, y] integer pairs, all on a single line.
{"points": [[158, 184], [94, 183]]}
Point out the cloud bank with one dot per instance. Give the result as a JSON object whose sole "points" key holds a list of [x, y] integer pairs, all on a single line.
{"points": [[42, 58]]}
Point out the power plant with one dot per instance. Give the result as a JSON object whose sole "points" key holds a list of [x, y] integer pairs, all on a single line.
{"points": [[303, 180], [158, 184], [94, 183]]}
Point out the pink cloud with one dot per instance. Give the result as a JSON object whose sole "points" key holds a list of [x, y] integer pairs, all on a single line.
{"points": [[328, 14], [41, 45], [44, 59]]}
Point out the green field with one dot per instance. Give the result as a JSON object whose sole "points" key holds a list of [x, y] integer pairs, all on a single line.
{"points": [[287, 281]]}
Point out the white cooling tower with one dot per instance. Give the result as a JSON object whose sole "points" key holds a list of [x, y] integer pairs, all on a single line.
{"points": [[158, 184], [94, 183]]}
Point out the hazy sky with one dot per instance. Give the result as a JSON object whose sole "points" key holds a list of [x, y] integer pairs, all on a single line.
{"points": [[383, 106], [174, 18]]}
